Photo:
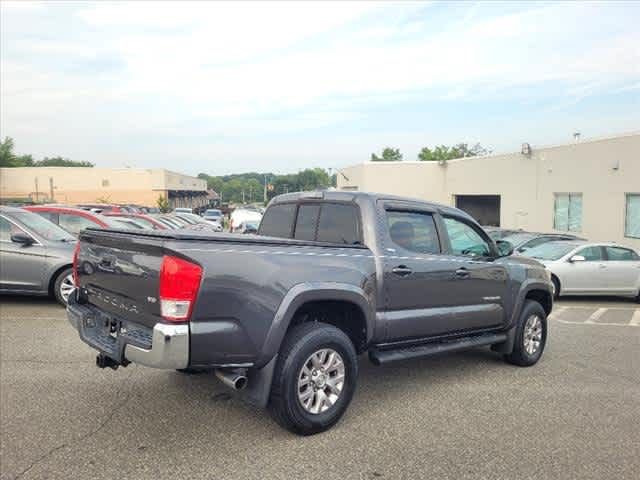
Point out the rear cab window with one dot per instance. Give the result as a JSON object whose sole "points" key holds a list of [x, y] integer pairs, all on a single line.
{"points": [[307, 222], [278, 220], [329, 222], [338, 223]]}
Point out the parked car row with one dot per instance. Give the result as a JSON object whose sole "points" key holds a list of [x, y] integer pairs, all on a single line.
{"points": [[37, 241], [578, 267]]}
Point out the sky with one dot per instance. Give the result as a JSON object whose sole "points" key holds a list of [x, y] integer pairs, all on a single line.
{"points": [[224, 88]]}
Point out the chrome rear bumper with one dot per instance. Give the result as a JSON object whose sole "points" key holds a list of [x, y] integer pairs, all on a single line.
{"points": [[166, 346]]}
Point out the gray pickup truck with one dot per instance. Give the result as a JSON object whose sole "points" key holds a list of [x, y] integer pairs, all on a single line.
{"points": [[282, 316]]}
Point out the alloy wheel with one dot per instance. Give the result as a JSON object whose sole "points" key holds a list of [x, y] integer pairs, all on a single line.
{"points": [[532, 334], [321, 381], [66, 287]]}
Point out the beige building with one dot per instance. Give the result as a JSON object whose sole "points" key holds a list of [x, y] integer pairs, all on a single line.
{"points": [[73, 185], [591, 187]]}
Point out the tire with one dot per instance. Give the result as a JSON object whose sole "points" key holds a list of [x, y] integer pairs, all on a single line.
{"points": [[524, 352], [303, 345], [556, 287], [61, 286]]}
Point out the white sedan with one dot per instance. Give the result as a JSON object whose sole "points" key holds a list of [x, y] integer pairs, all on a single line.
{"points": [[585, 268]]}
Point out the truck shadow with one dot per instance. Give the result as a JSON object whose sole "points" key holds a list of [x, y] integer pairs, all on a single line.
{"points": [[378, 388]]}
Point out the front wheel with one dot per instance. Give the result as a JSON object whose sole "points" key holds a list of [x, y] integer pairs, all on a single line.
{"points": [[63, 286], [315, 378], [531, 335]]}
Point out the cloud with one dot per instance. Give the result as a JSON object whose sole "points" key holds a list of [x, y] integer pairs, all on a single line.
{"points": [[212, 71]]}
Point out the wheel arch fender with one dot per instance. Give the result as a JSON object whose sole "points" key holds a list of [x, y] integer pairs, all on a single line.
{"points": [[52, 274], [526, 289], [303, 293]]}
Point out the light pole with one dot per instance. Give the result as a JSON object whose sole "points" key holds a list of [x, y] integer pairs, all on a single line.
{"points": [[265, 188]]}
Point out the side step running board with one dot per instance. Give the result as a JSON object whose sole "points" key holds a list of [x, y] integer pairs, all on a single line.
{"points": [[380, 357]]}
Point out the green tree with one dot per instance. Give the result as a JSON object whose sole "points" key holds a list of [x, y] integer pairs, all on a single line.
{"points": [[163, 204], [444, 153], [9, 159], [61, 162], [388, 155], [232, 187], [6, 152]]}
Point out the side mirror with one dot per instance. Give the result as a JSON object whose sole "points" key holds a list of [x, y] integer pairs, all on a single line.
{"points": [[577, 258], [504, 248], [22, 238]]}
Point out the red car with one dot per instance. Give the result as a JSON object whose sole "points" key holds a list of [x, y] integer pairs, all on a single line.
{"points": [[146, 220], [75, 219]]}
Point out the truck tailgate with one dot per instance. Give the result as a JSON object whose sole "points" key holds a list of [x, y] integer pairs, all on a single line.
{"points": [[119, 274]]}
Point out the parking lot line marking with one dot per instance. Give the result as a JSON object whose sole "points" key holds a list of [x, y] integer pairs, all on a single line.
{"points": [[635, 320], [604, 324], [596, 315]]}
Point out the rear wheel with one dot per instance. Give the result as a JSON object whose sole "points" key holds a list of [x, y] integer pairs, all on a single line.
{"points": [[315, 378], [63, 286], [531, 335]]}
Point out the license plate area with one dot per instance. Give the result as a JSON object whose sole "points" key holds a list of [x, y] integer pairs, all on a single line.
{"points": [[103, 333]]}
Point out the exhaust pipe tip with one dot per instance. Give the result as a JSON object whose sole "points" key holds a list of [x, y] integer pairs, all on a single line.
{"points": [[240, 382], [232, 378]]}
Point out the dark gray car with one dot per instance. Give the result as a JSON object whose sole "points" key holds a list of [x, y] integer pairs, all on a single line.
{"points": [[35, 255]]}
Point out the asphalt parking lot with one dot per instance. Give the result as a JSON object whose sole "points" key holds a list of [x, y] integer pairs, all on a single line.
{"points": [[469, 415]]}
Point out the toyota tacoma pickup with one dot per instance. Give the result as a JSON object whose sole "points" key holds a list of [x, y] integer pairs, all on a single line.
{"points": [[283, 315]]}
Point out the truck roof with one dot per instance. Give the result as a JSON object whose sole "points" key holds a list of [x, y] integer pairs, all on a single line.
{"points": [[351, 196]]}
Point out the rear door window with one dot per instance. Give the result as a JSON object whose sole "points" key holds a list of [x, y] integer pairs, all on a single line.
{"points": [[307, 222], [278, 221], [619, 254], [339, 223], [413, 231]]}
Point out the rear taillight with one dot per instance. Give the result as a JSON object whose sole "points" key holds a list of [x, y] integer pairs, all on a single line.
{"points": [[76, 252], [179, 284]]}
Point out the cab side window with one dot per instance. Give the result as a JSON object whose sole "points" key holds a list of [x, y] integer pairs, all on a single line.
{"points": [[465, 240], [413, 231]]}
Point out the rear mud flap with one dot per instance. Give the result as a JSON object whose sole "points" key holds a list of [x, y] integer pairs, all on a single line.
{"points": [[259, 385]]}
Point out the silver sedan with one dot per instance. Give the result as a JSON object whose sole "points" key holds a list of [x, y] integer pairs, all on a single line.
{"points": [[35, 255], [585, 268]]}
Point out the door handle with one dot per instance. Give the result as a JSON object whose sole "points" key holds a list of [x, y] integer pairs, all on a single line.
{"points": [[402, 270], [462, 273]]}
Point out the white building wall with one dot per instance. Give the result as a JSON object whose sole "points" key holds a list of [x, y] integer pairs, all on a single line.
{"points": [[603, 171]]}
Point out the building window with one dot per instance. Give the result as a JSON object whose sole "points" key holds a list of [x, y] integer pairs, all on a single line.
{"points": [[567, 212], [105, 183], [632, 216]]}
